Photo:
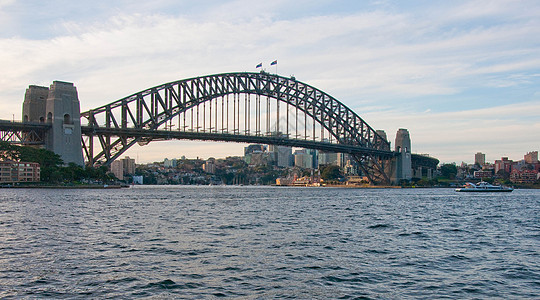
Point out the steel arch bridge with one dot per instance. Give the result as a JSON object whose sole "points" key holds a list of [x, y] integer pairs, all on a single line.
{"points": [[236, 107]]}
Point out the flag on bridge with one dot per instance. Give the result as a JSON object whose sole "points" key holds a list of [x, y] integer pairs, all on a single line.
{"points": [[259, 65], [273, 63]]}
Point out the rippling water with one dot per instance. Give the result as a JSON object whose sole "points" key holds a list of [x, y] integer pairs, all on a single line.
{"points": [[268, 242]]}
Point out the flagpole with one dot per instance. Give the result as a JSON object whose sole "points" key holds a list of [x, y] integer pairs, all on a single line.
{"points": [[275, 62]]}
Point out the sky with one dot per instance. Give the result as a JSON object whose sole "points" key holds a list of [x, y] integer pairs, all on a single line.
{"points": [[462, 76]]}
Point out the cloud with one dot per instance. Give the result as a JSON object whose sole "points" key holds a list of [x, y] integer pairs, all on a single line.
{"points": [[372, 59], [508, 130]]}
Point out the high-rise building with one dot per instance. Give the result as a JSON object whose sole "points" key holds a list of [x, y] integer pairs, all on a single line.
{"points": [[327, 158], [531, 157], [343, 159], [128, 165], [503, 164], [170, 163], [284, 156], [253, 154], [314, 157], [210, 166], [117, 168], [280, 156], [255, 148], [303, 159], [480, 158]]}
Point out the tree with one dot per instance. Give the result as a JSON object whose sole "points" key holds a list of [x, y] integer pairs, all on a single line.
{"points": [[52, 166], [331, 172], [49, 161], [449, 171]]}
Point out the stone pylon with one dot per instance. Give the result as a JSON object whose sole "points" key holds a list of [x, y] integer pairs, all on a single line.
{"points": [[403, 161], [58, 106]]}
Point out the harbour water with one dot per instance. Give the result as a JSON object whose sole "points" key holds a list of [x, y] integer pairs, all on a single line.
{"points": [[268, 242]]}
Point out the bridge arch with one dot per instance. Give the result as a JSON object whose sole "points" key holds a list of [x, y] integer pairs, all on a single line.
{"points": [[149, 115]]}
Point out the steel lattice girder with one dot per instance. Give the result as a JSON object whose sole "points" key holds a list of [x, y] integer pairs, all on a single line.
{"points": [[151, 108], [25, 133]]}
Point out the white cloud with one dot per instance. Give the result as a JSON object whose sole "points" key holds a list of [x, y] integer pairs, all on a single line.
{"points": [[509, 130], [375, 59]]}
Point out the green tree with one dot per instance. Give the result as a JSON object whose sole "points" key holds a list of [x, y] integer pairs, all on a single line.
{"points": [[449, 171], [49, 161], [331, 172]]}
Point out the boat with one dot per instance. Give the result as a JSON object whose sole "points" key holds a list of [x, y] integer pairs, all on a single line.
{"points": [[483, 187]]}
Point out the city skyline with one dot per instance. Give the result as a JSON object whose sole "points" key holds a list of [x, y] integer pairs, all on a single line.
{"points": [[462, 77], [471, 161]]}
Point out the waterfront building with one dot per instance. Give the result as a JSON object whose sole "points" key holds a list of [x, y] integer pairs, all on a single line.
{"points": [[480, 158], [284, 181], [483, 174], [12, 172], [357, 180], [524, 176], [117, 168], [138, 179]]}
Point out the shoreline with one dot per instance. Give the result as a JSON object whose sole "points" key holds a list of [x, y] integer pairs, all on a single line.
{"points": [[67, 187]]}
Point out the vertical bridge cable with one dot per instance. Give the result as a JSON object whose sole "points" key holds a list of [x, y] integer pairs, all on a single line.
{"points": [[277, 115], [234, 113], [246, 117], [222, 116], [268, 116]]}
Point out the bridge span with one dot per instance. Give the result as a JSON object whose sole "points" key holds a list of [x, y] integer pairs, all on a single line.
{"points": [[235, 107]]}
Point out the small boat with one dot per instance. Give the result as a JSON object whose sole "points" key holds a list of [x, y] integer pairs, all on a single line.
{"points": [[483, 186]]}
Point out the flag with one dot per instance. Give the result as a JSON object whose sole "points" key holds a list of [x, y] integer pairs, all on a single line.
{"points": [[273, 63], [259, 65]]}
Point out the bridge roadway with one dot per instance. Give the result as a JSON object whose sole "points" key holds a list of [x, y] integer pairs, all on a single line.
{"points": [[27, 133], [35, 133], [153, 135], [6, 125]]}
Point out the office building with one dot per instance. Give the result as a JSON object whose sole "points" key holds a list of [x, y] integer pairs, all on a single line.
{"points": [[117, 168], [480, 158], [128, 165]]}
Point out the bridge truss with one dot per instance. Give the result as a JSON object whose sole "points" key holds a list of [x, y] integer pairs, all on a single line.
{"points": [[23, 133], [238, 107]]}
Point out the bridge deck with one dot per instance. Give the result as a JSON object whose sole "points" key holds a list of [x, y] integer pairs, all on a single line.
{"points": [[227, 137]]}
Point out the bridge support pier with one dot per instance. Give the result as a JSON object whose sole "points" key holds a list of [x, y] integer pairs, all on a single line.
{"points": [[402, 169], [58, 106]]}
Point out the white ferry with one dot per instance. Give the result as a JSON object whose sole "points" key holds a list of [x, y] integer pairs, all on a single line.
{"points": [[483, 186]]}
